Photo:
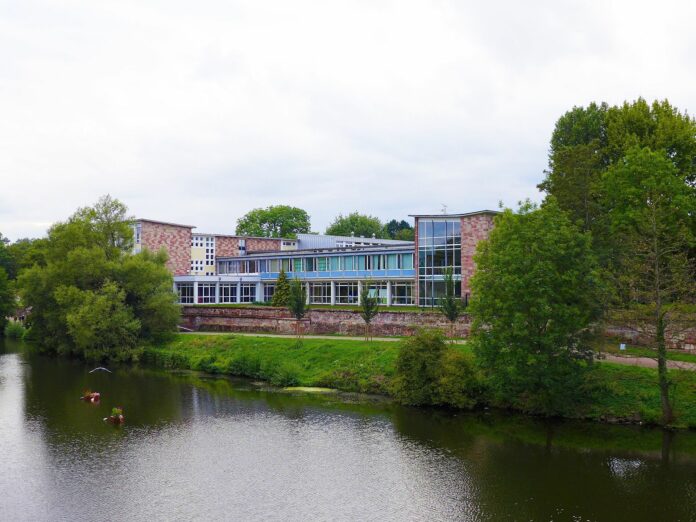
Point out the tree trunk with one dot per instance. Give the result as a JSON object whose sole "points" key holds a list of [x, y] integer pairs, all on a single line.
{"points": [[667, 414]]}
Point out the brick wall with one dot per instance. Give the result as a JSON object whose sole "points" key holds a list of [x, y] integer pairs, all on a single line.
{"points": [[474, 229], [175, 239], [228, 246], [346, 322]]}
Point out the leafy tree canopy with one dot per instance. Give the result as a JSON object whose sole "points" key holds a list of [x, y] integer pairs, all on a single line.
{"points": [[535, 294], [7, 298], [90, 296], [274, 221], [398, 230], [588, 140], [356, 224]]}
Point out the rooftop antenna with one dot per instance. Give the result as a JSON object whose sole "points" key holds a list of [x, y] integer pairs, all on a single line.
{"points": [[444, 208]]}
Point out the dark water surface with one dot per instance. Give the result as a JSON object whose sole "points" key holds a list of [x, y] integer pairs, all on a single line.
{"points": [[197, 448]]}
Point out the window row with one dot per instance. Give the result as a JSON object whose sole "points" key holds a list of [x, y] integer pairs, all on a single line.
{"points": [[318, 264]]}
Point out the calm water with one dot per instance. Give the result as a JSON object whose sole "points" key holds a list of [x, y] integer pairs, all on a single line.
{"points": [[215, 448]]}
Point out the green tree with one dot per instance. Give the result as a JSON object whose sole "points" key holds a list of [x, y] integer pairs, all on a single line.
{"points": [[274, 221], [588, 141], [87, 264], [281, 295], [297, 304], [7, 298], [26, 253], [536, 294], [652, 211], [99, 322], [398, 230], [450, 305], [369, 308], [356, 224], [7, 262]]}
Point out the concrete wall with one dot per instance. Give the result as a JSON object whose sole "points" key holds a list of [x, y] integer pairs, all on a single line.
{"points": [[324, 321]]}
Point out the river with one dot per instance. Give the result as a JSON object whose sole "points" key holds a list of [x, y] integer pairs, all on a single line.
{"points": [[197, 447]]}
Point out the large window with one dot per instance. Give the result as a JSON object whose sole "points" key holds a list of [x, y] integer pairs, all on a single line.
{"points": [[268, 291], [185, 292], [439, 250], [402, 293], [206, 293], [228, 292], [347, 293], [320, 293]]}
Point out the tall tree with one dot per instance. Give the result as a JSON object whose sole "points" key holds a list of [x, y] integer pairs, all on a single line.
{"points": [[356, 224], [588, 141], [652, 211], [7, 298], [274, 221], [535, 296], [88, 268]]}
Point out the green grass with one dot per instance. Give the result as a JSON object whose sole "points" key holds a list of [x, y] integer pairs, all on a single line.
{"points": [[620, 393]]}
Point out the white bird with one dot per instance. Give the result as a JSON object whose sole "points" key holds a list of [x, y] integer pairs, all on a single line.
{"points": [[101, 368]]}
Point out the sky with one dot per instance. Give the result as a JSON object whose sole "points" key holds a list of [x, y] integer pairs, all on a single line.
{"points": [[197, 112]]}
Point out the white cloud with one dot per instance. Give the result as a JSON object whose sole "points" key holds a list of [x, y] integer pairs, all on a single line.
{"points": [[198, 112]]}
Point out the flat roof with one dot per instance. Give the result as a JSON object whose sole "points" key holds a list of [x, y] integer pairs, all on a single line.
{"points": [[165, 223], [334, 250], [244, 237], [466, 214]]}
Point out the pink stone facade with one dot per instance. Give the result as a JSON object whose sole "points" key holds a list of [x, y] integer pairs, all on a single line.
{"points": [[228, 246], [474, 229], [175, 239]]}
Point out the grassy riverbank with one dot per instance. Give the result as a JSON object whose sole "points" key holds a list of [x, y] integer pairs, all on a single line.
{"points": [[621, 393]]}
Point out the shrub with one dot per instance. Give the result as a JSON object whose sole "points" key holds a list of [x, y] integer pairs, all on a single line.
{"points": [[15, 330], [461, 384], [419, 368], [430, 372]]}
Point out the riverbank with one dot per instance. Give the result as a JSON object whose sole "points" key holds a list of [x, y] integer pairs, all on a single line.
{"points": [[622, 393]]}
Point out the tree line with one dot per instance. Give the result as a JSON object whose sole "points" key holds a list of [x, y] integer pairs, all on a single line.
{"points": [[287, 221]]}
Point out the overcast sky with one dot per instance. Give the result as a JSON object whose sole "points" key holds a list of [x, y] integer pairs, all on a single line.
{"points": [[197, 112]]}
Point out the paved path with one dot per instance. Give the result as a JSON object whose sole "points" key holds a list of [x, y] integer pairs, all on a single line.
{"points": [[645, 362]]}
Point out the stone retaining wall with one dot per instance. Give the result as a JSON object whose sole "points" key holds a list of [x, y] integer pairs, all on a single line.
{"points": [[318, 321]]}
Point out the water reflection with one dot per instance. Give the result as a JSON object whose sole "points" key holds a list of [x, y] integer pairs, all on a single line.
{"points": [[217, 448]]}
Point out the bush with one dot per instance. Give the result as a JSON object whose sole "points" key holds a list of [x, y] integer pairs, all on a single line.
{"points": [[15, 330], [461, 384], [430, 372]]}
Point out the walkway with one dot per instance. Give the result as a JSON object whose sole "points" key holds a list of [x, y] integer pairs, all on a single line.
{"points": [[647, 362]]}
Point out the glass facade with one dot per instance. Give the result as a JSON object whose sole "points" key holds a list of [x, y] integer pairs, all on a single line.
{"points": [[439, 249], [268, 291]]}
